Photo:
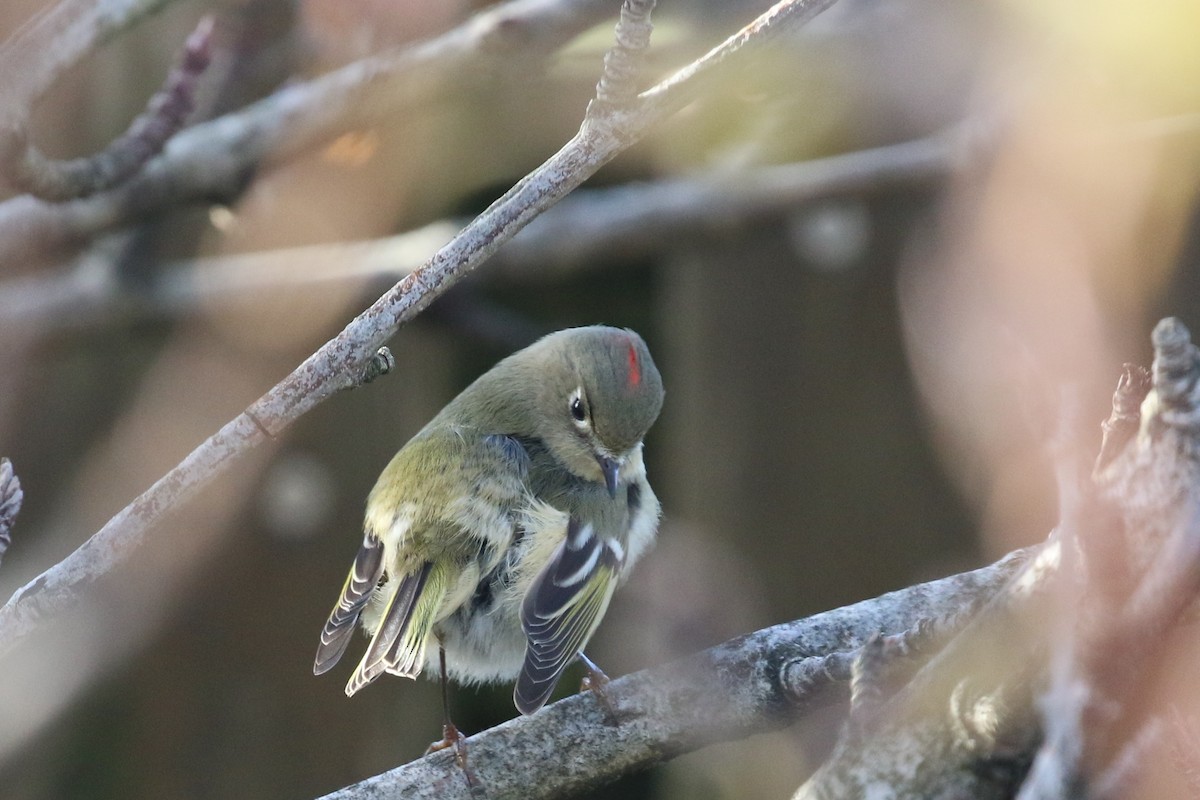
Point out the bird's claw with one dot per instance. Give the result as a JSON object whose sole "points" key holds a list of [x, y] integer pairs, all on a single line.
{"points": [[595, 681], [453, 737]]}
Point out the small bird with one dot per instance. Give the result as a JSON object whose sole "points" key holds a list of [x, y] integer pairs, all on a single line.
{"points": [[494, 539]]}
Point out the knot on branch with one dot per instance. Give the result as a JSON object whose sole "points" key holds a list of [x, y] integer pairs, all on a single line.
{"points": [[381, 363], [27, 169], [10, 503]]}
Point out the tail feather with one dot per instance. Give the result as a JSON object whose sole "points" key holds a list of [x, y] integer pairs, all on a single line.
{"points": [[398, 646], [360, 583]]}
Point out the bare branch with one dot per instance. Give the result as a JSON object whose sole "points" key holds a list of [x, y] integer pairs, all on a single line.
{"points": [[728, 692], [10, 503], [48, 179], [341, 361]]}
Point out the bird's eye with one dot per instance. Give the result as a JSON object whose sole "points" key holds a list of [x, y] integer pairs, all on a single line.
{"points": [[577, 409]]}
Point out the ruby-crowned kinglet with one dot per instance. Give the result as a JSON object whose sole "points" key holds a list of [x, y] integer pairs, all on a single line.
{"points": [[499, 532]]}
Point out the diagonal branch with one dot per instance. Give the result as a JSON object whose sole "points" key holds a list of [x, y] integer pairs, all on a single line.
{"points": [[340, 362]]}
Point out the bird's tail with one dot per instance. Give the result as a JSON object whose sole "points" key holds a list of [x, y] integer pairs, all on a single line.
{"points": [[398, 646], [360, 583]]}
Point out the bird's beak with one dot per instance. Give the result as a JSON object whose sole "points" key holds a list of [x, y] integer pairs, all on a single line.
{"points": [[611, 468]]}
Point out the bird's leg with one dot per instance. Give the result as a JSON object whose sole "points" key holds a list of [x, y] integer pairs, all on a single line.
{"points": [[451, 735], [594, 680]]}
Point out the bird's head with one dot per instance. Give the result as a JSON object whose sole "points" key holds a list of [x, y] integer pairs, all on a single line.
{"points": [[600, 393]]}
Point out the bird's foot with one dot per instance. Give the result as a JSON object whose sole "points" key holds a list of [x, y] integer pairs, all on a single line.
{"points": [[453, 737], [595, 681]]}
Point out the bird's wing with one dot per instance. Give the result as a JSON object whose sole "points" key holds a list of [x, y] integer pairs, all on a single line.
{"points": [[364, 576], [562, 608]]}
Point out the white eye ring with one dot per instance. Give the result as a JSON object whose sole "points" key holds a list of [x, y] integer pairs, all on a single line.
{"points": [[578, 408]]}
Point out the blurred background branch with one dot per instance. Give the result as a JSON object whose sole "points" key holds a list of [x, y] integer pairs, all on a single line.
{"points": [[629, 223], [37, 55], [28, 170], [215, 159]]}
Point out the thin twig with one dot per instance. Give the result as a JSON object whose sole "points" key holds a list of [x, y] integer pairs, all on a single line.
{"points": [[56, 181]]}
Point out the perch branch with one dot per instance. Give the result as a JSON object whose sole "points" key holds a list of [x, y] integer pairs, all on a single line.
{"points": [[338, 363], [751, 684]]}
